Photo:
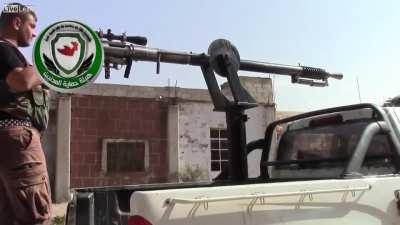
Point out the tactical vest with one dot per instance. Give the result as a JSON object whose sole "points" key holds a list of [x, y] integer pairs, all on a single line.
{"points": [[31, 105]]}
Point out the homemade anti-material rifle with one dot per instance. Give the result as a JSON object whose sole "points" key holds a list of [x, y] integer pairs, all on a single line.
{"points": [[122, 50], [222, 58]]}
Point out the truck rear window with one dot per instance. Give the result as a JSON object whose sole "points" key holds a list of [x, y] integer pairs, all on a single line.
{"points": [[324, 150]]}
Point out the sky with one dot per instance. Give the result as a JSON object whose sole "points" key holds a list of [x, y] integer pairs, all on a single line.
{"points": [[359, 38]]}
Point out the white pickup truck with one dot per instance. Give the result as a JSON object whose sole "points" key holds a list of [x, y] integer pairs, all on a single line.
{"points": [[333, 166]]}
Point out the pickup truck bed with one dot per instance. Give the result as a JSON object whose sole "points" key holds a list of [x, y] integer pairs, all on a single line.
{"points": [[292, 189]]}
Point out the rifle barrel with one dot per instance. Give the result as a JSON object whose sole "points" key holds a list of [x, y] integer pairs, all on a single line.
{"points": [[115, 51]]}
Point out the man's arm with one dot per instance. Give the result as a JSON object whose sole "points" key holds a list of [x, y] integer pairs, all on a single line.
{"points": [[22, 79]]}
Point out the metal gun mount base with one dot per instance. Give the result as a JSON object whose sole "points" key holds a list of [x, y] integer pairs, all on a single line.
{"points": [[225, 61]]}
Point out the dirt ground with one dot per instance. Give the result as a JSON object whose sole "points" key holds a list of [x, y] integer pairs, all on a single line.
{"points": [[59, 209]]}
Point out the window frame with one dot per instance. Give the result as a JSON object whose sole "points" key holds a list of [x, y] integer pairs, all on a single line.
{"points": [[106, 141], [220, 160]]}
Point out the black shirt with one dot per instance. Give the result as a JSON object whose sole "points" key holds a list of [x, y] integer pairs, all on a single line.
{"points": [[10, 58]]}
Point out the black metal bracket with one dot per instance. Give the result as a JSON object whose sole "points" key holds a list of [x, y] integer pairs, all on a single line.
{"points": [[225, 61]]}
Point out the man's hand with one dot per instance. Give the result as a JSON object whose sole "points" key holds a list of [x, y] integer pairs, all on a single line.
{"points": [[22, 79]]}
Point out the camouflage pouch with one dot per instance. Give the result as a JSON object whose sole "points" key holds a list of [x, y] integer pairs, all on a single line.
{"points": [[40, 109]]}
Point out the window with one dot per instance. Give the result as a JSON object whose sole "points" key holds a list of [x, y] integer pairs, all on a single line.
{"points": [[320, 151], [219, 149], [123, 156]]}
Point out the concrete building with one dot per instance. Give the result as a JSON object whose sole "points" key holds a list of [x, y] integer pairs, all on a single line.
{"points": [[118, 135]]}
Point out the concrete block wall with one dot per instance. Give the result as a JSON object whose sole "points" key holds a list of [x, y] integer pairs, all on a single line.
{"points": [[49, 146], [97, 117]]}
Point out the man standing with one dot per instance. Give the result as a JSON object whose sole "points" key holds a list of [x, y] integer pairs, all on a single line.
{"points": [[24, 104]]}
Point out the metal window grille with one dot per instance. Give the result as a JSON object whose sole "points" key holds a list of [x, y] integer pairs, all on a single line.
{"points": [[219, 149], [120, 155]]}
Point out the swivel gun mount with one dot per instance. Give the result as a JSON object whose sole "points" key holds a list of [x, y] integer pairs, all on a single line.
{"points": [[121, 50]]}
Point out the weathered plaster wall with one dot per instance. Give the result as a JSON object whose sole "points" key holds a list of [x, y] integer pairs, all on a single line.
{"points": [[195, 121]]}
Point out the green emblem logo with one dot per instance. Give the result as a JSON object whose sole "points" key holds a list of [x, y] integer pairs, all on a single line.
{"points": [[68, 55]]}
